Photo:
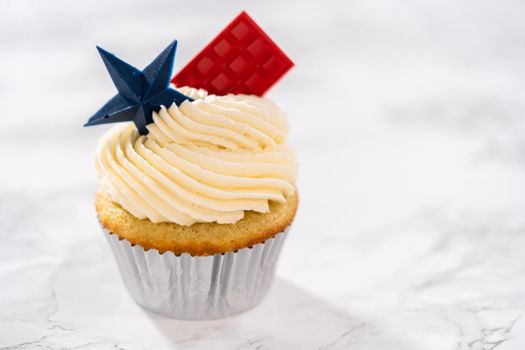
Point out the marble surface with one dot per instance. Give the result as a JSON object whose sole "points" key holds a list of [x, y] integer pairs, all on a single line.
{"points": [[409, 122]]}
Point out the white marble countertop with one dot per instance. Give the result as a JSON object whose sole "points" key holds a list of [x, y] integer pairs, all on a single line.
{"points": [[409, 122]]}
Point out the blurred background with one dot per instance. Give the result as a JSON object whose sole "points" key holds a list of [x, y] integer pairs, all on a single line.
{"points": [[408, 119]]}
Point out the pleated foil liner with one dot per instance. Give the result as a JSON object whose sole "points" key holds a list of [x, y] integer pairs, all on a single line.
{"points": [[197, 287]]}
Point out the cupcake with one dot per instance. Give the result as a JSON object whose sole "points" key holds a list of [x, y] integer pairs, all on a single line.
{"points": [[197, 191]]}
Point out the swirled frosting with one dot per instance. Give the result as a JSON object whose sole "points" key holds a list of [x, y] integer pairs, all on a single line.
{"points": [[203, 161]]}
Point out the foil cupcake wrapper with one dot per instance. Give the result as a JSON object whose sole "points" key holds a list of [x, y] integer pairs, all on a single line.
{"points": [[197, 287]]}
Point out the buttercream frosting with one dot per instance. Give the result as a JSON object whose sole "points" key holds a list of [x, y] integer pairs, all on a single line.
{"points": [[208, 160]]}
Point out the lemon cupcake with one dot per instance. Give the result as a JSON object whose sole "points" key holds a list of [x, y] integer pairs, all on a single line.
{"points": [[197, 191]]}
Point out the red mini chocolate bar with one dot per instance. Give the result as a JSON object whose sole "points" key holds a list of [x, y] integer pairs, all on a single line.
{"points": [[242, 59]]}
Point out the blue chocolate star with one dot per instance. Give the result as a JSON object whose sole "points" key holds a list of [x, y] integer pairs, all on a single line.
{"points": [[139, 92]]}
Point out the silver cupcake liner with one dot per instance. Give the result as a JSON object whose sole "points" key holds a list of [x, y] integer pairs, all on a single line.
{"points": [[197, 287]]}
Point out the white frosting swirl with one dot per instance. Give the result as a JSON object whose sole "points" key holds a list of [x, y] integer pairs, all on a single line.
{"points": [[205, 161]]}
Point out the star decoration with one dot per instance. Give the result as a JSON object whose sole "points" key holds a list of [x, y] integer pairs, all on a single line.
{"points": [[139, 92]]}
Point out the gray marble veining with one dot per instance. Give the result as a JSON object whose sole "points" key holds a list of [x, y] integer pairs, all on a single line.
{"points": [[408, 120]]}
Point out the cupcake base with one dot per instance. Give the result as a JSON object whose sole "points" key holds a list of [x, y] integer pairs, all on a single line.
{"points": [[200, 239], [197, 287]]}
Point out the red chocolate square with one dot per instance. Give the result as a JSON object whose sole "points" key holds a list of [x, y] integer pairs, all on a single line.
{"points": [[242, 59]]}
